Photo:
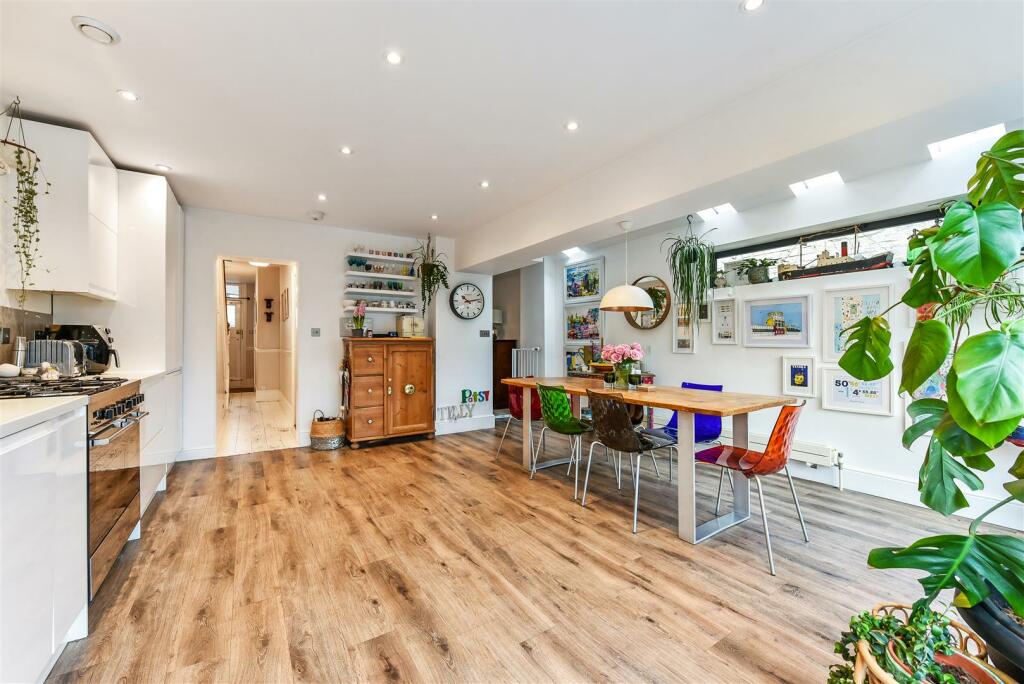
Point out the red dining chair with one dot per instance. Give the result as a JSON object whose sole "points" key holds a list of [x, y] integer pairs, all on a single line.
{"points": [[754, 464], [515, 411]]}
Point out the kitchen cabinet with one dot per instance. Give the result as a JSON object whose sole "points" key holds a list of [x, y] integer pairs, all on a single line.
{"points": [[391, 388], [43, 544], [78, 218], [160, 433]]}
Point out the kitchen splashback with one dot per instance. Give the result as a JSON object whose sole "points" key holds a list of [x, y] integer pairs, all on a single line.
{"points": [[24, 323]]}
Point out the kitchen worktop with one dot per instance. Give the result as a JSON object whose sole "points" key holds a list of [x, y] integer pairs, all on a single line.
{"points": [[19, 414]]}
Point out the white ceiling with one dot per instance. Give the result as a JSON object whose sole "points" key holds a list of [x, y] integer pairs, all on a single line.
{"points": [[249, 102]]}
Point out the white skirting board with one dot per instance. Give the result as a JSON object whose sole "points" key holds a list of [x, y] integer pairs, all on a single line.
{"points": [[451, 427]]}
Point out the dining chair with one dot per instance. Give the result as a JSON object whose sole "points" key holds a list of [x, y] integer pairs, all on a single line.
{"points": [[614, 430], [706, 429], [515, 412], [754, 464], [556, 409]]}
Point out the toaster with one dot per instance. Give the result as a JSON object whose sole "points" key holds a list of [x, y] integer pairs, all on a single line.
{"points": [[67, 355]]}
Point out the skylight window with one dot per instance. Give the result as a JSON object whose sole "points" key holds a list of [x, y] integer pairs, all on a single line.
{"points": [[803, 187], [944, 147], [721, 210], [573, 252]]}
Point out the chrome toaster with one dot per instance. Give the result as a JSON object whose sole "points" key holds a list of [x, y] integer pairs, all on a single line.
{"points": [[67, 355]]}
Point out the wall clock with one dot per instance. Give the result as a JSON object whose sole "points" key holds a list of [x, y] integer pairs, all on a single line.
{"points": [[467, 301]]}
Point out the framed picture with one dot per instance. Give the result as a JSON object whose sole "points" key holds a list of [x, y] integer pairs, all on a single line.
{"points": [[842, 308], [840, 391], [723, 321], [284, 305], [574, 359], [798, 376], [582, 324], [705, 312], [583, 281], [683, 339], [777, 322]]}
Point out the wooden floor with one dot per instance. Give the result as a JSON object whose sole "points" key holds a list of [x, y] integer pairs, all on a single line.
{"points": [[426, 561], [255, 421]]}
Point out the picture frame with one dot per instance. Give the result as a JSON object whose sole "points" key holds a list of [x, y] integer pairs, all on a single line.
{"points": [[573, 359], [842, 307], [777, 322], [581, 324], [583, 281], [840, 391], [684, 338], [723, 321], [798, 375]]}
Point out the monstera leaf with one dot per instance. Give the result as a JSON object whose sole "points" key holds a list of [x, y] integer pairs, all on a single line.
{"points": [[867, 349], [964, 562], [928, 347], [990, 373], [926, 284], [926, 415], [937, 480], [976, 246], [999, 175], [989, 434]]}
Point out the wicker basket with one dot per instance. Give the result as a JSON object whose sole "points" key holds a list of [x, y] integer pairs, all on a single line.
{"points": [[867, 669], [325, 433]]}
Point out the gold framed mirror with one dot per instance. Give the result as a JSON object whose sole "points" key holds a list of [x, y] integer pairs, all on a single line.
{"points": [[662, 298]]}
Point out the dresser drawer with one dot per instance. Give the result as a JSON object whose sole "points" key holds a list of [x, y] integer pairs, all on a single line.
{"points": [[367, 423], [367, 391], [367, 360]]}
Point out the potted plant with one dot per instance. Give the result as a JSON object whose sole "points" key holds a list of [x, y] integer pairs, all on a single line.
{"points": [[720, 280], [622, 357], [965, 265], [433, 272], [359, 318], [691, 261], [756, 270]]}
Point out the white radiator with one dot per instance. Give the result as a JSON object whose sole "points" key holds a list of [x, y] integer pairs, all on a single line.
{"points": [[526, 362], [811, 453]]}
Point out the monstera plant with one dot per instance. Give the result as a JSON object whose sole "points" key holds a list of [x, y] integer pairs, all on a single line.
{"points": [[965, 276]]}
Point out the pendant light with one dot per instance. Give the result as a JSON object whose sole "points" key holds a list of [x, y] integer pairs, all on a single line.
{"points": [[626, 297]]}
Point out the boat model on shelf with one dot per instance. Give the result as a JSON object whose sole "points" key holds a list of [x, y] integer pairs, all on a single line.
{"points": [[830, 265]]}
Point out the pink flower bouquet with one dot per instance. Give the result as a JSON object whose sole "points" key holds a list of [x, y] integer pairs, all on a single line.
{"points": [[623, 356]]}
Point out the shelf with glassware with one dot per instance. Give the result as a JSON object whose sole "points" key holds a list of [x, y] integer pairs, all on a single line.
{"points": [[369, 291], [379, 255], [377, 276], [399, 308]]}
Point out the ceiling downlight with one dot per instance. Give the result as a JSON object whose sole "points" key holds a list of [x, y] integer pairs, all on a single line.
{"points": [[95, 30]]}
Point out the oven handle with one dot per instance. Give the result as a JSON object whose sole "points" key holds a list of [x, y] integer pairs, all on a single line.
{"points": [[129, 423]]}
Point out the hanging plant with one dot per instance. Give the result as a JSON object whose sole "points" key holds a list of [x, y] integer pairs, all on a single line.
{"points": [[24, 216], [433, 272], [691, 261]]}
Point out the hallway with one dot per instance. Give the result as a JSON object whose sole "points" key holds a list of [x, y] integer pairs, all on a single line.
{"points": [[255, 421]]}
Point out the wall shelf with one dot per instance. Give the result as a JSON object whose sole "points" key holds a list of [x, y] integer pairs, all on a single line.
{"points": [[378, 276], [379, 309], [380, 257], [370, 294]]}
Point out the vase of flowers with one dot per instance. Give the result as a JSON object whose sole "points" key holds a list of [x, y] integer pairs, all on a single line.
{"points": [[358, 319], [622, 357]]}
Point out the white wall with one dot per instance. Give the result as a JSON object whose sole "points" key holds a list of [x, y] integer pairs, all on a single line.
{"points": [[506, 298], [289, 281]]}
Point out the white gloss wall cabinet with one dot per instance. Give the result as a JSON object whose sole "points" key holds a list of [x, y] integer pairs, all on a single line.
{"points": [[43, 544], [146, 320], [78, 219], [161, 433]]}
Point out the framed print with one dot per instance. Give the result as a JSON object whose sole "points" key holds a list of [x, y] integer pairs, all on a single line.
{"points": [[583, 281], [684, 341], [842, 308], [798, 376], [582, 324], [574, 359], [840, 391], [777, 322], [723, 321]]}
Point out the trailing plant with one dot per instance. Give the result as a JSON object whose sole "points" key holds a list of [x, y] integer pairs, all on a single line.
{"points": [[965, 266], [691, 261], [433, 272]]}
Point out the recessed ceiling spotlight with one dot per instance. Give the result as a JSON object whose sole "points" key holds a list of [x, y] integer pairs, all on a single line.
{"points": [[322, 197], [129, 95], [751, 5], [96, 30], [571, 125], [393, 57], [485, 184], [162, 167], [259, 264], [346, 150], [433, 217]]}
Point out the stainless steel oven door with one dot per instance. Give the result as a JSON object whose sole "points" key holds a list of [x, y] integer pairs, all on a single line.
{"points": [[114, 452]]}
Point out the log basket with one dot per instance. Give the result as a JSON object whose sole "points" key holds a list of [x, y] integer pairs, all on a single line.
{"points": [[326, 433]]}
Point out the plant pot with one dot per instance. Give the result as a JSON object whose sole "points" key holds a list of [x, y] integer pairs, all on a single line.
{"points": [[720, 281], [358, 332], [758, 275], [1003, 636]]}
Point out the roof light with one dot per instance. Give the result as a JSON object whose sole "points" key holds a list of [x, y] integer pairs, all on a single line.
{"points": [[721, 210], [573, 252], [803, 187], [944, 147]]}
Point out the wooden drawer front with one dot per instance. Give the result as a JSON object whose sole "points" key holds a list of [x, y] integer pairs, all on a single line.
{"points": [[367, 423], [367, 391], [367, 360]]}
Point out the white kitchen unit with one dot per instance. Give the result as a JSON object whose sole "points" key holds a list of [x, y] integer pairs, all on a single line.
{"points": [[161, 432], [43, 541], [78, 219]]}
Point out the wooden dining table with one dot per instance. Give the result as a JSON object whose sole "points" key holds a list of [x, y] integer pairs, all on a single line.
{"points": [[686, 403]]}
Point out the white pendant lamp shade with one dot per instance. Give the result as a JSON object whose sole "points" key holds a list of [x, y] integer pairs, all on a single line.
{"points": [[626, 298]]}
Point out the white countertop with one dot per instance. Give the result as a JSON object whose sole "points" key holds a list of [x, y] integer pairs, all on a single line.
{"points": [[135, 374], [19, 414]]}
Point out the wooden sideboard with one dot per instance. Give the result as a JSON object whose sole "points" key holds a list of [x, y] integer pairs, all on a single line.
{"points": [[391, 388]]}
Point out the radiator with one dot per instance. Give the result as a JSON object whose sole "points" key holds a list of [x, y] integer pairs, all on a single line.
{"points": [[811, 453], [526, 362]]}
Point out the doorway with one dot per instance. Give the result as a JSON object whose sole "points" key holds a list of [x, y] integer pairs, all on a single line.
{"points": [[257, 308]]}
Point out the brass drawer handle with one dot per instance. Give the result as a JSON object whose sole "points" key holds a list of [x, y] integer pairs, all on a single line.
{"points": [[369, 359], [369, 421], [410, 389], [369, 391]]}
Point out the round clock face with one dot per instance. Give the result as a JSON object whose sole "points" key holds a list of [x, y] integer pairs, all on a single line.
{"points": [[467, 301]]}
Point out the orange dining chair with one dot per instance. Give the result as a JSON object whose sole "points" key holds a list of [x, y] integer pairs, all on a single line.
{"points": [[754, 464]]}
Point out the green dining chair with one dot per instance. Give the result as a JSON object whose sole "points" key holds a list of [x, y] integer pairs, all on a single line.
{"points": [[556, 407]]}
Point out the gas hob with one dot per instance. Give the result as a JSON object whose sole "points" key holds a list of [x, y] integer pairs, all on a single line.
{"points": [[29, 387]]}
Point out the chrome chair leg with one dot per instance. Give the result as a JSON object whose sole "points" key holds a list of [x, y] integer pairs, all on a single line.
{"points": [[586, 478], [497, 454], [764, 521], [721, 481], [636, 487], [796, 502], [536, 453], [579, 457], [618, 469], [657, 471]]}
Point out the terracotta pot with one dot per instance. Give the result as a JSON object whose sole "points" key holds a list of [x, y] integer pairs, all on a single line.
{"points": [[980, 671], [758, 275]]}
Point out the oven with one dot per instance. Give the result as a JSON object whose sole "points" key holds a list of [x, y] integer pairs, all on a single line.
{"points": [[114, 454]]}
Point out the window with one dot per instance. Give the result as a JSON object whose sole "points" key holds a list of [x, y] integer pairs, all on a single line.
{"points": [[233, 290]]}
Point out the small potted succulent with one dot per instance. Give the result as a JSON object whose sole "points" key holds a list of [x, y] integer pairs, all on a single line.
{"points": [[756, 270]]}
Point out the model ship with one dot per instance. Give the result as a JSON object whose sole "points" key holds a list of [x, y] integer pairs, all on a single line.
{"points": [[829, 264]]}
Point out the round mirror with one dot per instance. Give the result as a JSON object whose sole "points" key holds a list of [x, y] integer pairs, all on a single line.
{"points": [[660, 295]]}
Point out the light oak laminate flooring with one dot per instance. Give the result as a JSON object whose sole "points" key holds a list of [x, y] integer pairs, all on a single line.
{"points": [[427, 561], [251, 422]]}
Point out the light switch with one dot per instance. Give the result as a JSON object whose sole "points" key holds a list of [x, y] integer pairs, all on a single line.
{"points": [[314, 332]]}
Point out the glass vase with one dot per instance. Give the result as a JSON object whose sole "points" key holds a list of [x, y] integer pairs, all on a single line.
{"points": [[622, 371]]}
